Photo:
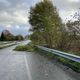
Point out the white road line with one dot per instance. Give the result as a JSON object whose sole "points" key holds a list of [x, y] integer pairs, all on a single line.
{"points": [[27, 68]]}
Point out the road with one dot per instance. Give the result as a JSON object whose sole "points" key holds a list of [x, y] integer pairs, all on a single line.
{"points": [[30, 66]]}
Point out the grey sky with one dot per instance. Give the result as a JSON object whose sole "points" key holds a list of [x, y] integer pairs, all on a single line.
{"points": [[14, 13]]}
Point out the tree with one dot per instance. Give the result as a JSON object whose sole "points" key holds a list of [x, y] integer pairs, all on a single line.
{"points": [[74, 35], [7, 36], [46, 23], [19, 37], [2, 37]]}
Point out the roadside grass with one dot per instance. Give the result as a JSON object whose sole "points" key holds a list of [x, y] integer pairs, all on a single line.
{"points": [[29, 47], [71, 64]]}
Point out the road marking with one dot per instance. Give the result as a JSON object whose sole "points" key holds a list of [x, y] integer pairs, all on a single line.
{"points": [[27, 68]]}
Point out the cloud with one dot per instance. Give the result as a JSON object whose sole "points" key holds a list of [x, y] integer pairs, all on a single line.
{"points": [[8, 26], [67, 15], [73, 0], [14, 13], [21, 16], [67, 8]]}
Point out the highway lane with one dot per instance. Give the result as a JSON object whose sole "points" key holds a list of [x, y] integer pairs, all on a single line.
{"points": [[30, 66]]}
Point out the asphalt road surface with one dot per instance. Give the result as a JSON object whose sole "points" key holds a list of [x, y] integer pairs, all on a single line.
{"points": [[30, 66]]}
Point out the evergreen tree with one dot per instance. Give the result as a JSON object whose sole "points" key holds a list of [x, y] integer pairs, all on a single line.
{"points": [[2, 37]]}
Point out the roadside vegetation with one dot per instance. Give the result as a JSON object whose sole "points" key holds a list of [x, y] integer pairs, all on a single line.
{"points": [[7, 36], [29, 47], [49, 30]]}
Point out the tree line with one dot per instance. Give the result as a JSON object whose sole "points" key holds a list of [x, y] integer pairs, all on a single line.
{"points": [[49, 30], [7, 36]]}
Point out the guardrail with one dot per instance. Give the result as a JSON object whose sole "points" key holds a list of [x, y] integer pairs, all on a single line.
{"points": [[62, 54], [3, 43], [7, 45]]}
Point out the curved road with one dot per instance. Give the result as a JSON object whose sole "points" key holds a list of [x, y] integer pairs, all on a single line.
{"points": [[31, 66]]}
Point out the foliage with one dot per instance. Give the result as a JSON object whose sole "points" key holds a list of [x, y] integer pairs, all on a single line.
{"points": [[74, 36], [46, 24], [7, 36], [2, 37], [49, 30], [29, 47], [19, 37]]}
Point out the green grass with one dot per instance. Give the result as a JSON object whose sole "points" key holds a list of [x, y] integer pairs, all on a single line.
{"points": [[29, 47], [74, 65]]}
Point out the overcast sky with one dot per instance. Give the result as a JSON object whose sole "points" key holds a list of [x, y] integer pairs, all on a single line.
{"points": [[14, 13]]}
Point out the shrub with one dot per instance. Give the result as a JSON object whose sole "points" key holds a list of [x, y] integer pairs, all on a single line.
{"points": [[29, 47]]}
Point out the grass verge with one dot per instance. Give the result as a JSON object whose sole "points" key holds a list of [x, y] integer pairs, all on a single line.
{"points": [[29, 47]]}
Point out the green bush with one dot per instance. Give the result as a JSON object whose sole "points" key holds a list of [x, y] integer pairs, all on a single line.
{"points": [[29, 47]]}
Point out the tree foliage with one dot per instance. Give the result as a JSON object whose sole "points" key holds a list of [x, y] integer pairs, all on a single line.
{"points": [[46, 23], [2, 37], [19, 37], [74, 35], [7, 36]]}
